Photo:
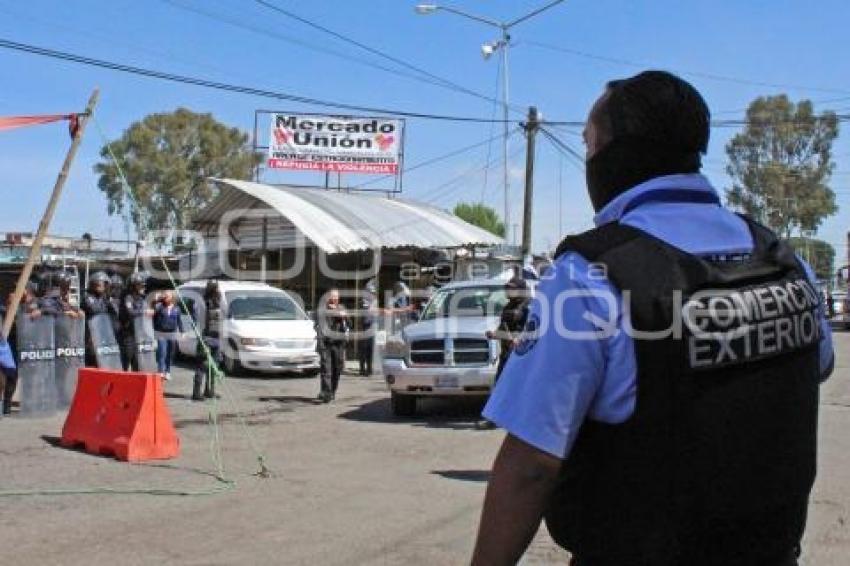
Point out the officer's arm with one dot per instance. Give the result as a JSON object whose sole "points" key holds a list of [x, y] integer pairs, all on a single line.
{"points": [[521, 484]]}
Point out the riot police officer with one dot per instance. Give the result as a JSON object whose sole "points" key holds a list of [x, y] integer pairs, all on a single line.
{"points": [[661, 406], [133, 305], [31, 306], [96, 302], [59, 298], [208, 359], [332, 327]]}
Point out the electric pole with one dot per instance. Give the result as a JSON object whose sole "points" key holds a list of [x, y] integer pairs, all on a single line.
{"points": [[531, 128]]}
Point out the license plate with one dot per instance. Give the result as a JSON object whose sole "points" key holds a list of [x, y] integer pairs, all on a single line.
{"points": [[446, 382]]}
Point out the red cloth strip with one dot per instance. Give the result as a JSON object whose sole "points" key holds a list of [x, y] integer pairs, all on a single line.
{"points": [[11, 122]]}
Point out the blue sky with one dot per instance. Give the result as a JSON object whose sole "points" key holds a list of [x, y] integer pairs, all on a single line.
{"points": [[765, 41]]}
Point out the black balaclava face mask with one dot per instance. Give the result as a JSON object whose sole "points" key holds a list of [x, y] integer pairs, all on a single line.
{"points": [[628, 161]]}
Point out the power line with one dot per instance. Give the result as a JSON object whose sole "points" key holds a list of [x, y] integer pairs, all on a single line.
{"points": [[710, 76], [431, 161], [278, 95], [443, 190], [320, 49], [563, 147], [440, 80], [239, 89]]}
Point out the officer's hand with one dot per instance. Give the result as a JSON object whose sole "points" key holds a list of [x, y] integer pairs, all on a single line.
{"points": [[35, 314], [149, 313]]}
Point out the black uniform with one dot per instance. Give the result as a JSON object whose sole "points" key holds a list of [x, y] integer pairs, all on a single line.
{"points": [[92, 305], [510, 326], [56, 305], [716, 464], [11, 373], [204, 381], [132, 306], [366, 343], [331, 329]]}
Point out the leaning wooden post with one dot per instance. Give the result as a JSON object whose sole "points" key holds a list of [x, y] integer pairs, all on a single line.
{"points": [[35, 251]]}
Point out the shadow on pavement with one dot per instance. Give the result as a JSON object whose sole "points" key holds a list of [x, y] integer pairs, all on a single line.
{"points": [[169, 395], [464, 475], [285, 399], [54, 441], [456, 414]]}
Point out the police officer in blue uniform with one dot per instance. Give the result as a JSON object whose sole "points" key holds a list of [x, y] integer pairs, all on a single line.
{"points": [[661, 407]]}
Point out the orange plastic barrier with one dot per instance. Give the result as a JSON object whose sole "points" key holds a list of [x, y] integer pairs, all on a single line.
{"points": [[121, 414]]}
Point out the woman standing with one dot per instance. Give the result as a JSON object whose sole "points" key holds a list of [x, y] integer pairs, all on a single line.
{"points": [[167, 324]]}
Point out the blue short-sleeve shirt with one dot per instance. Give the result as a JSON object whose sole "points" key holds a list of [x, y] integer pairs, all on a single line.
{"points": [[576, 362]]}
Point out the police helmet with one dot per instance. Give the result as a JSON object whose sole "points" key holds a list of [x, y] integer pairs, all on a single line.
{"points": [[116, 284], [33, 286], [137, 278], [62, 280], [98, 277]]}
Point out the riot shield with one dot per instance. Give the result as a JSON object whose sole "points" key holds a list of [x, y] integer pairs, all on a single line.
{"points": [[36, 368], [145, 343], [107, 353], [70, 342]]}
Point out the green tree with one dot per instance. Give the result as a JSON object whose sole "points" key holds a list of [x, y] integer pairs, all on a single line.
{"points": [[482, 216], [168, 159], [817, 253], [781, 164]]}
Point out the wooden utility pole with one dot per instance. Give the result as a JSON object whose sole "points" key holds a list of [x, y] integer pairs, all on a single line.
{"points": [[35, 250], [531, 128]]}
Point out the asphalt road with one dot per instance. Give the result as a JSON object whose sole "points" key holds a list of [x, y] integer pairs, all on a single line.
{"points": [[349, 484]]}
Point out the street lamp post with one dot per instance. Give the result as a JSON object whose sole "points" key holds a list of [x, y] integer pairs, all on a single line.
{"points": [[487, 50]]}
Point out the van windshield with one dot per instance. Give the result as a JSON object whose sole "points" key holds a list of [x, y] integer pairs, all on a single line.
{"points": [[466, 301], [262, 305]]}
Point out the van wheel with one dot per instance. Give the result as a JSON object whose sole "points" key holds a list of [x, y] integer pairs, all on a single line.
{"points": [[232, 366], [403, 405]]}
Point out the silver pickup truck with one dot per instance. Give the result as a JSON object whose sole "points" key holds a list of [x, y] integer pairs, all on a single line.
{"points": [[446, 353]]}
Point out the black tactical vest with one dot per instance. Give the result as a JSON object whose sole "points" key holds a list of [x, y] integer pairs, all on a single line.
{"points": [[716, 464]]}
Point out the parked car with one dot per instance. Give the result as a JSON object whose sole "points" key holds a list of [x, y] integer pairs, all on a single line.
{"points": [[446, 353], [263, 328], [841, 306]]}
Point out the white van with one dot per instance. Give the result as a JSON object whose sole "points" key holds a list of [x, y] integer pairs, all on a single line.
{"points": [[263, 328]]}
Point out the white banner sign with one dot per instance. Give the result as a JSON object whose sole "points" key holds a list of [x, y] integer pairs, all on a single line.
{"points": [[343, 145]]}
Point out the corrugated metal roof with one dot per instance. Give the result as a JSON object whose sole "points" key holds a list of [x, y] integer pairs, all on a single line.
{"points": [[340, 222]]}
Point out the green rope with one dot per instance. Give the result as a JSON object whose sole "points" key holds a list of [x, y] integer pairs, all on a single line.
{"points": [[213, 372]]}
